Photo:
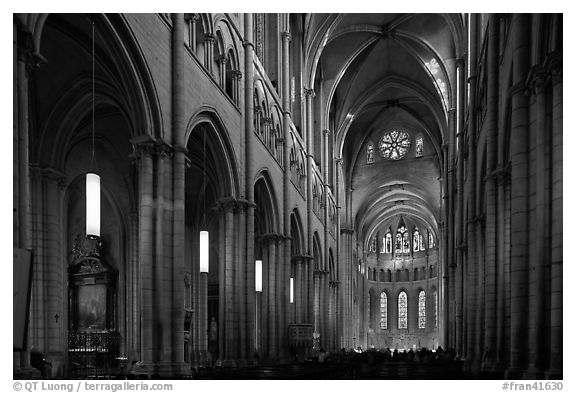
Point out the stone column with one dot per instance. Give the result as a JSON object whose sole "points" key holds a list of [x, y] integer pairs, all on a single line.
{"points": [[471, 260], [242, 286], [519, 195], [23, 63], [539, 256], [272, 292], [492, 231], [209, 52], [554, 67], [176, 289], [236, 78], [222, 71], [459, 236], [286, 315], [249, 173], [143, 151]]}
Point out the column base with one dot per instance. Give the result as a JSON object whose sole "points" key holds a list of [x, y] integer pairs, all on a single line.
{"points": [[160, 370], [533, 372], [513, 373], [554, 373], [231, 363], [201, 358]]}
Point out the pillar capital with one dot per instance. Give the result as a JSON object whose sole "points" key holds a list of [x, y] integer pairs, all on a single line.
{"points": [[236, 74], [27, 53], [309, 93], [536, 80], [209, 38], [192, 17], [49, 174], [286, 36], [553, 66]]}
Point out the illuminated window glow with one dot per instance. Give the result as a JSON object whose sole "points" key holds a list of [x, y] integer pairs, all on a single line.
{"points": [[402, 311]]}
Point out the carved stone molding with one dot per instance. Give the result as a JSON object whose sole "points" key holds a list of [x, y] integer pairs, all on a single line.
{"points": [[49, 174], [86, 247], [286, 36], [536, 80], [553, 66], [309, 92]]}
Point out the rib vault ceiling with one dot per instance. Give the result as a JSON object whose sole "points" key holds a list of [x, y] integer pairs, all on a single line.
{"points": [[381, 72]]}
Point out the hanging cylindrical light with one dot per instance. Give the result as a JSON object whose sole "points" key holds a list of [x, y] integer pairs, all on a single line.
{"points": [[204, 252], [92, 205], [291, 290], [258, 275]]}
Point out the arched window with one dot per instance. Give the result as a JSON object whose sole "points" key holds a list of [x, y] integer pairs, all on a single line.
{"points": [[373, 244], [422, 310], [419, 146], [402, 311], [415, 240], [402, 241], [418, 241], [398, 243], [406, 243], [388, 243], [370, 153], [430, 240], [383, 311]]}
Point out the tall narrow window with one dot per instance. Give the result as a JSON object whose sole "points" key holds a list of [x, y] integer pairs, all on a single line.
{"points": [[419, 146], [435, 308], [402, 241], [422, 310], [402, 311], [373, 245], [430, 240], [398, 243], [370, 153], [416, 240], [388, 243], [383, 311], [406, 243]]}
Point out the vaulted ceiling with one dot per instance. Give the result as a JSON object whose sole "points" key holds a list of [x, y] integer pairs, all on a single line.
{"points": [[380, 72]]}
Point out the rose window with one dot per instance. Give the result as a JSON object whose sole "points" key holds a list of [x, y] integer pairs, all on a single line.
{"points": [[394, 145]]}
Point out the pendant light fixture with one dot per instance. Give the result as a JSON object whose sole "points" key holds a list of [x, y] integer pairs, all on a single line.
{"points": [[93, 179], [204, 235], [258, 275]]}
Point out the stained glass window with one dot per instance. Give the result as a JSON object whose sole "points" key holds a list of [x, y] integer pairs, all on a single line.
{"points": [[394, 144], [373, 245], [398, 243], [406, 243], [419, 146], [422, 310], [435, 309], [434, 69], [416, 241], [402, 311], [370, 153], [402, 241], [430, 240], [383, 311], [388, 242]]}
